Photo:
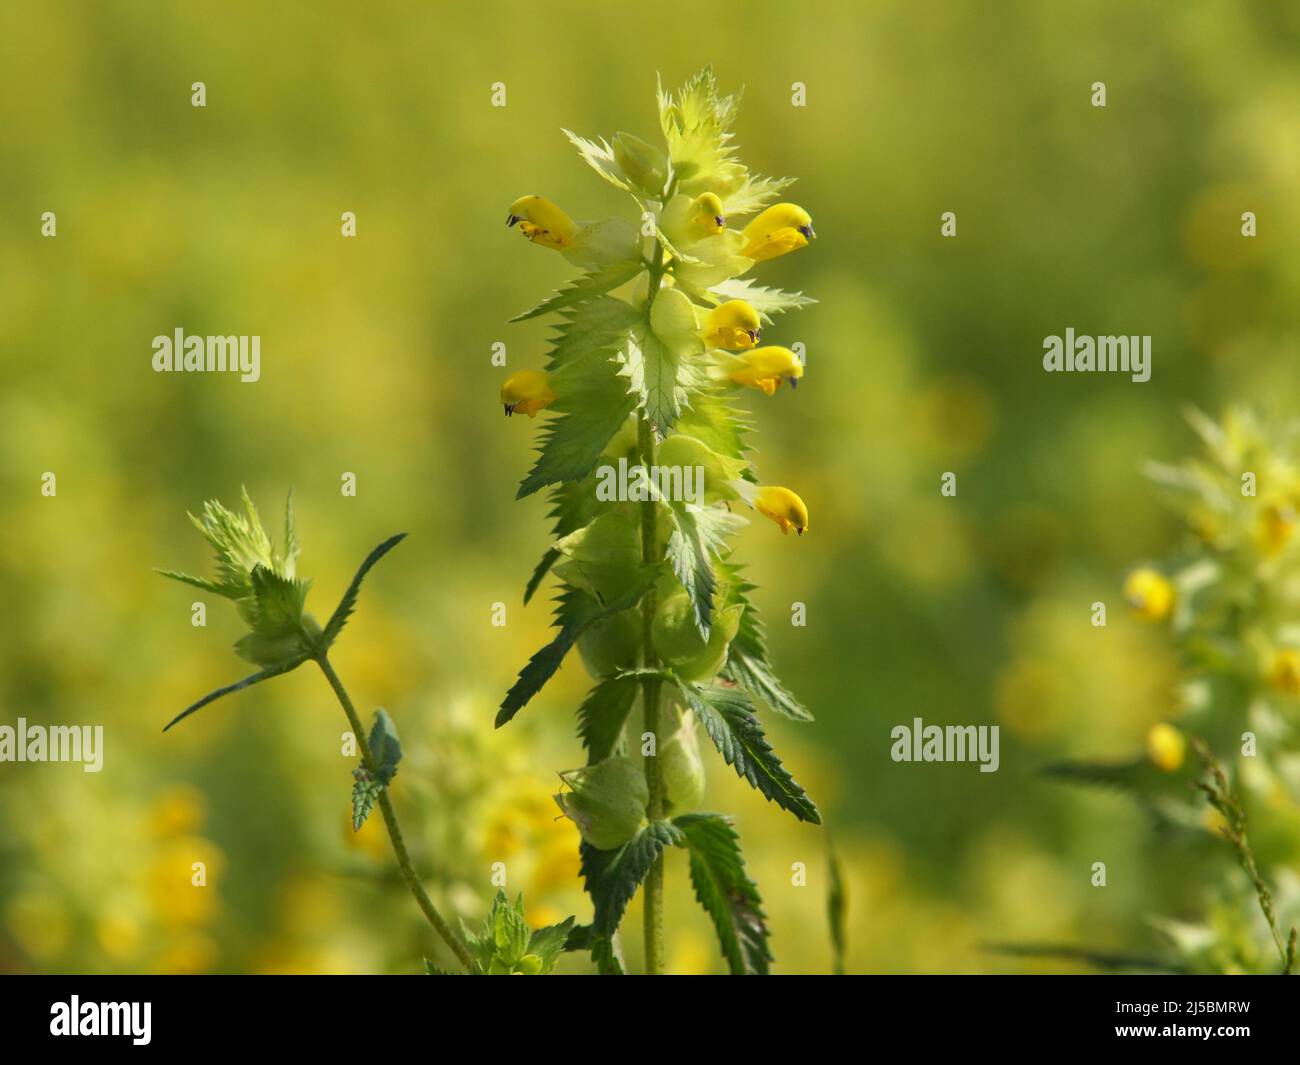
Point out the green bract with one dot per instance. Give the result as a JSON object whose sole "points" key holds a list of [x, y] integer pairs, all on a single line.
{"points": [[646, 586]]}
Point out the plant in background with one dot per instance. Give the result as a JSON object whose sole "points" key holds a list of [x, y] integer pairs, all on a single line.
{"points": [[646, 381], [1230, 601], [262, 582]]}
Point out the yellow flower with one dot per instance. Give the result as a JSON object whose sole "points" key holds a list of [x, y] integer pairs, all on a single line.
{"points": [[1150, 594], [733, 325], [1166, 747], [543, 222], [783, 507], [706, 217], [765, 368], [1284, 674], [526, 392], [783, 227], [1277, 522]]}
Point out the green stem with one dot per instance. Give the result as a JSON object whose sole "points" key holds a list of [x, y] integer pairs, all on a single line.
{"points": [[440, 925], [650, 686]]}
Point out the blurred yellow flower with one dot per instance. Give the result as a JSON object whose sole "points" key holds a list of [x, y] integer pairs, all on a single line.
{"points": [[526, 392], [1166, 747], [1150, 594], [1284, 673]]}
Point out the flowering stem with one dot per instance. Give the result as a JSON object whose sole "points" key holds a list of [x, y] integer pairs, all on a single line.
{"points": [[650, 685], [440, 925]]}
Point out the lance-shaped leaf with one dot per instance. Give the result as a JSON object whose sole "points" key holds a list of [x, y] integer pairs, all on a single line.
{"points": [[613, 876], [576, 613], [725, 891], [699, 534], [748, 664], [603, 714], [591, 402], [349, 601], [584, 287], [257, 678], [600, 157], [767, 301], [728, 718]]}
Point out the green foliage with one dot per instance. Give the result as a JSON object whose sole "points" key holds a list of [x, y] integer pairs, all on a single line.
{"points": [[631, 369], [725, 891], [507, 946], [728, 718]]}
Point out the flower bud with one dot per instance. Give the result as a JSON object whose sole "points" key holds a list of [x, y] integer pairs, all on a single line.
{"points": [[678, 642], [783, 227], [1166, 747], [608, 801], [643, 164], [1150, 594]]}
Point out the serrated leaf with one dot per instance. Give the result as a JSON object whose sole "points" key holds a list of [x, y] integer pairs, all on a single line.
{"points": [[277, 602], [754, 193], [699, 534], [613, 876], [365, 793], [767, 301], [584, 287], [549, 943], [577, 614], [715, 421], [266, 674], [592, 401], [728, 718], [573, 505], [725, 891], [604, 713], [349, 601], [748, 664], [654, 377], [600, 157], [385, 747]]}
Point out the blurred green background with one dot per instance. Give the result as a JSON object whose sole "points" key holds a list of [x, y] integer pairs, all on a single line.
{"points": [[923, 357]]}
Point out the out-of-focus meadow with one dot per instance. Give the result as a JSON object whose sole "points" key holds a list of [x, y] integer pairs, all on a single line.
{"points": [[924, 356]]}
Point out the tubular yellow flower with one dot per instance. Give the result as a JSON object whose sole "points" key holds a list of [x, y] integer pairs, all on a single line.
{"points": [[734, 324], [1166, 747], [782, 228], [783, 507], [1150, 594], [706, 215], [543, 222], [526, 392], [764, 369], [1284, 674]]}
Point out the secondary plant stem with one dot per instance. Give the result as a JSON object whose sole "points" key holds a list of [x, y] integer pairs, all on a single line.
{"points": [[650, 686], [440, 925]]}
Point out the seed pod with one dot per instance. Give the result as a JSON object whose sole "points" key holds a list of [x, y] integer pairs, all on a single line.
{"points": [[611, 645], [607, 802], [678, 642], [682, 767]]}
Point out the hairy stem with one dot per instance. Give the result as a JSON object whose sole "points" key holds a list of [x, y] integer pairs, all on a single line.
{"points": [[440, 925], [650, 686]]}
